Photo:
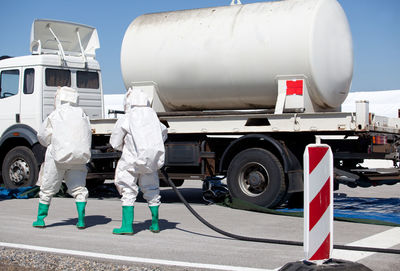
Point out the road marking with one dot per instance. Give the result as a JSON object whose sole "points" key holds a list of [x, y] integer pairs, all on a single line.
{"points": [[384, 239], [129, 259]]}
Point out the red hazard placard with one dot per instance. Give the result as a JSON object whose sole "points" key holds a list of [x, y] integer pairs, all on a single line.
{"points": [[294, 87]]}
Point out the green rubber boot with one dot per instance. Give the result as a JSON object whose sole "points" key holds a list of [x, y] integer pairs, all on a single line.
{"points": [[80, 206], [154, 219], [127, 220], [42, 213]]}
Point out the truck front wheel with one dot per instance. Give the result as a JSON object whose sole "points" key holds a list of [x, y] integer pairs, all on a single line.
{"points": [[19, 168], [256, 175]]}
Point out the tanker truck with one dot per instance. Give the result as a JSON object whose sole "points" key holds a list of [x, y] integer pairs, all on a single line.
{"points": [[244, 88]]}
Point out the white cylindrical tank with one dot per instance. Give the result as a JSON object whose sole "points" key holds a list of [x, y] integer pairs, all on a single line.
{"points": [[230, 57]]}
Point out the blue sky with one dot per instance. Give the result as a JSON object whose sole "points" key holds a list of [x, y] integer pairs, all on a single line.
{"points": [[375, 27]]}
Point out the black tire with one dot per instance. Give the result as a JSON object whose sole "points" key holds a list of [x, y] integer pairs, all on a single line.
{"points": [[19, 168], [256, 175]]}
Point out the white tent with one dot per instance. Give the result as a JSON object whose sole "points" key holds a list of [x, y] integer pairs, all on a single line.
{"points": [[383, 103]]}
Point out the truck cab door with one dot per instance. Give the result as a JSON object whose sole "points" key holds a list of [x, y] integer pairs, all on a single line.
{"points": [[30, 108], [10, 81]]}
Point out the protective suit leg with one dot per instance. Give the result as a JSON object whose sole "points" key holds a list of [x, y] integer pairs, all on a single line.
{"points": [[150, 186], [51, 178], [126, 184], [154, 219], [127, 220], [149, 183], [42, 213], [80, 206], [75, 179]]}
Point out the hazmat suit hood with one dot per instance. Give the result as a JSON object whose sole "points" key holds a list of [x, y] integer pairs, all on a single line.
{"points": [[135, 98], [66, 95]]}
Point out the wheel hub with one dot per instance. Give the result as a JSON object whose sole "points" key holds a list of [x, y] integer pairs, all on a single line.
{"points": [[19, 171], [254, 179]]}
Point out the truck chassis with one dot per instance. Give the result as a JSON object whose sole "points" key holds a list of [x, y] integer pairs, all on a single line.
{"points": [[261, 153]]}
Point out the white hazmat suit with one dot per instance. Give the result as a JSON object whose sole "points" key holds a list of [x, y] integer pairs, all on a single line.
{"points": [[140, 136], [67, 135]]}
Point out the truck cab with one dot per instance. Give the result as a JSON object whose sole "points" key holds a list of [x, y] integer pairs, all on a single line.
{"points": [[63, 54]]}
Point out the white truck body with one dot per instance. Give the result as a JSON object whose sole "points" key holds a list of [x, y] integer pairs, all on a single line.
{"points": [[209, 142], [259, 148]]}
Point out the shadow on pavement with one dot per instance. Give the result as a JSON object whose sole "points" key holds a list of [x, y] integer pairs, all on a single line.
{"points": [[163, 223], [91, 220]]}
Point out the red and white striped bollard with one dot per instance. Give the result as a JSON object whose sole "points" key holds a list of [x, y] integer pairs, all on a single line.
{"points": [[318, 202]]}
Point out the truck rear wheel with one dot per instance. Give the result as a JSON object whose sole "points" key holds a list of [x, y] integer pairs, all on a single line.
{"points": [[19, 168], [256, 175]]}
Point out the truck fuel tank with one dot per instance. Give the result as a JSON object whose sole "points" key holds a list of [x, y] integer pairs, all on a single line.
{"points": [[231, 57]]}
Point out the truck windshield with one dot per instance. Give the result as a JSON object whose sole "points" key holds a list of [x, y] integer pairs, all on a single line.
{"points": [[9, 83]]}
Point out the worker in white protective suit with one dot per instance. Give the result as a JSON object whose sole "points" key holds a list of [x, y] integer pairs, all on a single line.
{"points": [[67, 135], [140, 136]]}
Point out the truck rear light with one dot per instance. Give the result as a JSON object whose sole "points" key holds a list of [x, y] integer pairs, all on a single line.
{"points": [[379, 140]]}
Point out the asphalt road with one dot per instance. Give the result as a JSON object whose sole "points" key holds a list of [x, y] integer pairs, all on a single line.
{"points": [[184, 243]]}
